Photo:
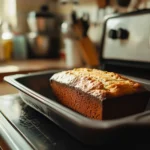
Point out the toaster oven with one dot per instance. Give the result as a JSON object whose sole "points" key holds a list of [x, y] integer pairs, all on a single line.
{"points": [[125, 44]]}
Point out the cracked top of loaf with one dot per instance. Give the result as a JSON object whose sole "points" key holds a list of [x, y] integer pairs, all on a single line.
{"points": [[98, 83]]}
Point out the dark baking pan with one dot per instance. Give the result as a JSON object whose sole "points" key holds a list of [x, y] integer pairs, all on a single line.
{"points": [[36, 92]]}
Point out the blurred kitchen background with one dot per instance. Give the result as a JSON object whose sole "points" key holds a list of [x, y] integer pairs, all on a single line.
{"points": [[43, 28]]}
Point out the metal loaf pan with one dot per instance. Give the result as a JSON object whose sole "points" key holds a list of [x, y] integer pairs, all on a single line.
{"points": [[36, 92]]}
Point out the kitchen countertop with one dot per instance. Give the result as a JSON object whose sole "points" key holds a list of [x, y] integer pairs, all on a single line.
{"points": [[6, 88], [25, 66]]}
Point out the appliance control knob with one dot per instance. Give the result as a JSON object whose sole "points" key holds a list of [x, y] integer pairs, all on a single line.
{"points": [[112, 34], [123, 34]]}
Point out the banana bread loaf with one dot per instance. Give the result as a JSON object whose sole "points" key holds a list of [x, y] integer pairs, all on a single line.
{"points": [[99, 94]]}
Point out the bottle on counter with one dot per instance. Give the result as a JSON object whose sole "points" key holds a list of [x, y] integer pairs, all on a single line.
{"points": [[20, 51], [1, 47], [6, 40], [1, 51]]}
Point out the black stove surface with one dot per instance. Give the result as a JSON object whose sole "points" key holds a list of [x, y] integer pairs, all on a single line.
{"points": [[43, 134]]}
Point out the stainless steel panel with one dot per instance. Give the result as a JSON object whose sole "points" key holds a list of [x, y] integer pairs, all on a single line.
{"points": [[137, 46]]}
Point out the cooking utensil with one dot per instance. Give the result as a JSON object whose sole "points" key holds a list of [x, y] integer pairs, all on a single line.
{"points": [[74, 17], [85, 23], [77, 25], [88, 51], [36, 92]]}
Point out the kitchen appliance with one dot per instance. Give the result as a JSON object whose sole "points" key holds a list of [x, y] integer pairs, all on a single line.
{"points": [[44, 36], [44, 134], [126, 44]]}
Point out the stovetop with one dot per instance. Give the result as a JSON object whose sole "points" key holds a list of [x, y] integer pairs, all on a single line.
{"points": [[42, 134]]}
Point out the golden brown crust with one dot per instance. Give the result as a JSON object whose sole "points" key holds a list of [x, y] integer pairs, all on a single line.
{"points": [[97, 83]]}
